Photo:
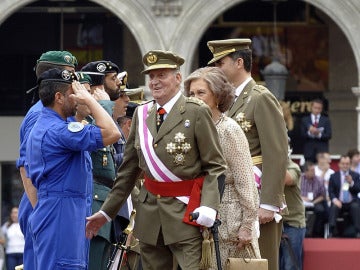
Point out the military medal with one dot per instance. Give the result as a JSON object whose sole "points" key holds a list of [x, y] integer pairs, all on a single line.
{"points": [[171, 148], [244, 124], [179, 137], [178, 148], [185, 147], [187, 123], [179, 159]]}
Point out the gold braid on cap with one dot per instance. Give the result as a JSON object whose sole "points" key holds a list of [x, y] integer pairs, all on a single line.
{"points": [[224, 52]]}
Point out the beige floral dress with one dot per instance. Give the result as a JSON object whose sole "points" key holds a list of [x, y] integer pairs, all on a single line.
{"points": [[240, 201]]}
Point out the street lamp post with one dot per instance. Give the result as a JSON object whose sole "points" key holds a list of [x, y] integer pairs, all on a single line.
{"points": [[275, 74]]}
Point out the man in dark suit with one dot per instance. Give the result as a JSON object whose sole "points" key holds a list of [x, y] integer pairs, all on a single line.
{"points": [[174, 142], [316, 131], [344, 186]]}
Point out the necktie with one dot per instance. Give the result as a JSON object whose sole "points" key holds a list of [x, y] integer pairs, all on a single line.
{"points": [[346, 198], [316, 121], [160, 117]]}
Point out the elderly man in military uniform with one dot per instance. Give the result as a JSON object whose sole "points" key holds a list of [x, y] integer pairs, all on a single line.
{"points": [[106, 89], [259, 114], [174, 141]]}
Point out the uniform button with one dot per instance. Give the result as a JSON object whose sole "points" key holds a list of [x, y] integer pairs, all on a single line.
{"points": [[155, 145], [158, 196], [96, 196]]}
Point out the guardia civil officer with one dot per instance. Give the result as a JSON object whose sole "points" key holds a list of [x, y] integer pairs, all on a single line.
{"points": [[60, 169], [259, 114], [106, 89], [174, 142]]}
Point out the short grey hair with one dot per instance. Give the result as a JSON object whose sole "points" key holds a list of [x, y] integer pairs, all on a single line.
{"points": [[216, 79]]}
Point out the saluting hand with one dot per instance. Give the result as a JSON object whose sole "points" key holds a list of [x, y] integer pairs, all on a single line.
{"points": [[100, 94], [81, 94]]}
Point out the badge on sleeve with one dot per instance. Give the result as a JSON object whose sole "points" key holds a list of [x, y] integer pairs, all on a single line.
{"points": [[75, 126]]}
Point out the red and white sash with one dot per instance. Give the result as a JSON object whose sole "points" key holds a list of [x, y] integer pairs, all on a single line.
{"points": [[155, 165], [257, 174]]}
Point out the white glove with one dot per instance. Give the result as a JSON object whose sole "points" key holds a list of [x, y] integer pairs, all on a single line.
{"points": [[206, 217]]}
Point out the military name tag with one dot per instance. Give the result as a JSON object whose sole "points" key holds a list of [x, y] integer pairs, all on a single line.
{"points": [[75, 126]]}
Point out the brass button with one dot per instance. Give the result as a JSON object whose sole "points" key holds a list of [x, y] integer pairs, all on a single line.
{"points": [[155, 145], [158, 196]]}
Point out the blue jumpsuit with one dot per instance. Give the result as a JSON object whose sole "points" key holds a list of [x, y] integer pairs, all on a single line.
{"points": [[60, 169], [25, 207]]}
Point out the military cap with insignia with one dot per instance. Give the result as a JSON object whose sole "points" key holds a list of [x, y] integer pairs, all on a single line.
{"points": [[158, 59], [63, 58], [123, 78], [222, 48], [102, 66], [58, 75], [97, 70]]}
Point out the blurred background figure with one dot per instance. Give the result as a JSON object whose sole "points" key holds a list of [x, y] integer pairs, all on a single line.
{"points": [[289, 121], [294, 226], [354, 156], [323, 171], [2, 250], [344, 186], [316, 131], [314, 198], [14, 247]]}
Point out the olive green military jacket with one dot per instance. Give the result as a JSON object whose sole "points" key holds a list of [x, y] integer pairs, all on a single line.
{"points": [[259, 114], [191, 118]]}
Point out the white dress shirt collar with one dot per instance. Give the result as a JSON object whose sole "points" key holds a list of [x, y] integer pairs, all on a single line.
{"points": [[241, 87], [168, 106]]}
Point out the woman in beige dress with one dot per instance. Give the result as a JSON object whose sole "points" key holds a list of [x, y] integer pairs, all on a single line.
{"points": [[238, 210]]}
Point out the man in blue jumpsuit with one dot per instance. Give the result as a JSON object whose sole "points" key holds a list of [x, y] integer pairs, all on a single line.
{"points": [[60, 169], [48, 60]]}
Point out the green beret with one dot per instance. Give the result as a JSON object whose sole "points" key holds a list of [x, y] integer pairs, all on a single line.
{"points": [[63, 58], [58, 75], [222, 48], [161, 59], [84, 78]]}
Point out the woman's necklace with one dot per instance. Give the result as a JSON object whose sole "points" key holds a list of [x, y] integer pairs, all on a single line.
{"points": [[221, 116]]}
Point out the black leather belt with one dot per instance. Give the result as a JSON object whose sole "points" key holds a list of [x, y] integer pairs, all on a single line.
{"points": [[104, 181]]}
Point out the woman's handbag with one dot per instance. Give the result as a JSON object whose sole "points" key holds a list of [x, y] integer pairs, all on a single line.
{"points": [[246, 263]]}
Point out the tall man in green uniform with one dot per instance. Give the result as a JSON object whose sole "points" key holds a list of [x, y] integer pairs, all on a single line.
{"points": [[106, 88], [174, 142], [259, 114]]}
